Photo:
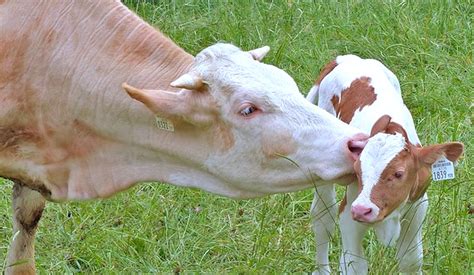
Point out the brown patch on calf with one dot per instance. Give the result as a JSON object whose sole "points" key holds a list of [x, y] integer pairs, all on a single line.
{"points": [[389, 192], [327, 69], [356, 97], [419, 187]]}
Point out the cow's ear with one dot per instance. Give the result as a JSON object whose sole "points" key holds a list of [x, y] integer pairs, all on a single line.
{"points": [[429, 154], [160, 102], [380, 125], [197, 108], [260, 53]]}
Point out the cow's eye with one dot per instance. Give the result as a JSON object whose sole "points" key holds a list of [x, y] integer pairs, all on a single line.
{"points": [[248, 110], [398, 174]]}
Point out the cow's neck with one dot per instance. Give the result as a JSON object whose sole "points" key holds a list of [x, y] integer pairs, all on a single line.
{"points": [[88, 137]]}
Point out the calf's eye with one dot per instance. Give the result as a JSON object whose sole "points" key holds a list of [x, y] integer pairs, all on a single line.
{"points": [[398, 174]]}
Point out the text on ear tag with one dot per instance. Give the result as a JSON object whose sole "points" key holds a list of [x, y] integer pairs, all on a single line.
{"points": [[442, 169], [164, 124]]}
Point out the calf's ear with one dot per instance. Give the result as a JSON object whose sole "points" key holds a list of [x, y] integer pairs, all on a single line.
{"points": [[380, 125], [429, 154]]}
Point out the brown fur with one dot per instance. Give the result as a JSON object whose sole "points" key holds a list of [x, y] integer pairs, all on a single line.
{"points": [[13, 51], [356, 97], [415, 161], [343, 204], [12, 136], [28, 207], [390, 192], [327, 69]]}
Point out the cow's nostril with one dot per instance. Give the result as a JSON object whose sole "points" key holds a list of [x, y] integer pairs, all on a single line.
{"points": [[368, 211]]}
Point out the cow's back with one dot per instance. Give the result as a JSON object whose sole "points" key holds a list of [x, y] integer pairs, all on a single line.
{"points": [[62, 107]]}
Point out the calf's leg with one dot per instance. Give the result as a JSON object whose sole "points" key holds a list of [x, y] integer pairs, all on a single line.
{"points": [[323, 216], [410, 246], [352, 259], [28, 207]]}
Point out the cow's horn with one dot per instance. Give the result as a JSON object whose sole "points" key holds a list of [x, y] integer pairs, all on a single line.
{"points": [[188, 81], [259, 54]]}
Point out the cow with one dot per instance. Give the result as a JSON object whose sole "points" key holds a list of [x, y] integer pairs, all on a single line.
{"points": [[94, 100], [393, 169]]}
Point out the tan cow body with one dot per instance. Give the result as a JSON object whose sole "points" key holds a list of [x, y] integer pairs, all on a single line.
{"points": [[227, 123]]}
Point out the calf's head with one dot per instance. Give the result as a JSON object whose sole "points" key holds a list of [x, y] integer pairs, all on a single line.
{"points": [[247, 119], [392, 171]]}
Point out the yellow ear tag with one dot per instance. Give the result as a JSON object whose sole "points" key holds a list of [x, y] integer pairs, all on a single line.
{"points": [[164, 124]]}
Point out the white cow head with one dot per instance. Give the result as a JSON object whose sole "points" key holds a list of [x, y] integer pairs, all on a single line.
{"points": [[246, 122], [392, 171]]}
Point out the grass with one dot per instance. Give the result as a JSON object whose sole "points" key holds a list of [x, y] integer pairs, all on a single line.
{"points": [[160, 228]]}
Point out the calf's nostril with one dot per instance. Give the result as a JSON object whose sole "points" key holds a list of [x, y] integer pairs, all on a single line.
{"points": [[368, 211], [361, 211]]}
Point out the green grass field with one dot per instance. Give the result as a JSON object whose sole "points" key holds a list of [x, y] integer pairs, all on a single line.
{"points": [[160, 228]]}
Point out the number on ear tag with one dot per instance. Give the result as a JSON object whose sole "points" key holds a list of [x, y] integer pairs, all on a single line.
{"points": [[164, 124], [442, 169]]}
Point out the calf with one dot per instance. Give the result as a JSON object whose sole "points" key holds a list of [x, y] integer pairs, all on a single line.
{"points": [[393, 169]]}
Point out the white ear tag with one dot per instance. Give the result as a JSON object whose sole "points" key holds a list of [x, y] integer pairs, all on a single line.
{"points": [[164, 124], [442, 169]]}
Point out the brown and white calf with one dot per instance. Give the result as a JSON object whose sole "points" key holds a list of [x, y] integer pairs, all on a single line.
{"points": [[223, 121], [393, 169]]}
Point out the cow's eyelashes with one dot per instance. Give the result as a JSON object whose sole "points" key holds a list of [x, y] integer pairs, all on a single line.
{"points": [[247, 110]]}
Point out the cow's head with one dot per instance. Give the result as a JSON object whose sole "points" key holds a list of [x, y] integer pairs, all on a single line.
{"points": [[392, 171], [255, 123]]}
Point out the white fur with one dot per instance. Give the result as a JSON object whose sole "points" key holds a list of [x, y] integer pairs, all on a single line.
{"points": [[379, 151], [403, 226]]}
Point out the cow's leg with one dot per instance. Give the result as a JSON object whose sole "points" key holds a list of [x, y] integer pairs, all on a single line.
{"points": [[409, 246], [28, 206], [352, 259], [323, 216]]}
